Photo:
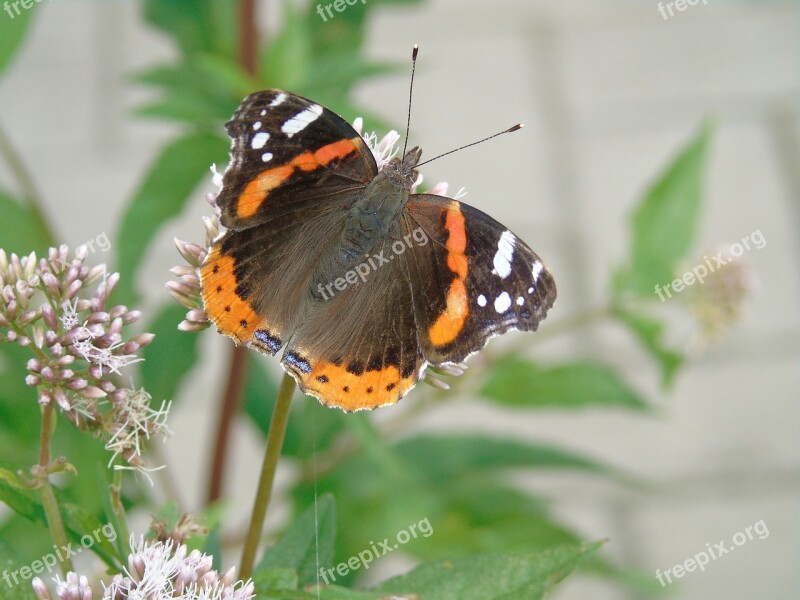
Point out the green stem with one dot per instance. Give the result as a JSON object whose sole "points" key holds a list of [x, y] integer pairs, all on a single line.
{"points": [[121, 524], [277, 431], [46, 494], [26, 185]]}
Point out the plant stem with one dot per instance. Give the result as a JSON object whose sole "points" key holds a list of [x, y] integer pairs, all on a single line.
{"points": [[46, 494], [26, 185], [229, 408], [277, 431], [119, 509], [248, 56]]}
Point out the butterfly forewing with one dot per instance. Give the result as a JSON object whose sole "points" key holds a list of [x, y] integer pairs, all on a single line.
{"points": [[288, 153], [475, 281]]}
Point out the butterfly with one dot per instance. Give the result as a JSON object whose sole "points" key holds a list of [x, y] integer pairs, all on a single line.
{"points": [[330, 257]]}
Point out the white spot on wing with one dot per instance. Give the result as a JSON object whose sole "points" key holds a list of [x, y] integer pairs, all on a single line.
{"points": [[504, 255], [481, 300], [537, 268], [520, 301], [502, 303], [257, 125], [259, 140], [279, 99], [263, 112], [266, 157], [301, 120], [530, 290]]}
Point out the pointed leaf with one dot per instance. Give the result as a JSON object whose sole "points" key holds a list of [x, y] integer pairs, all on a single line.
{"points": [[665, 223], [20, 231], [444, 456], [166, 189], [297, 549], [13, 30], [525, 384], [490, 576], [650, 333]]}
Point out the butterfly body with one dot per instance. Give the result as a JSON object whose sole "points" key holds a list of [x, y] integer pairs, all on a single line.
{"points": [[331, 257]]}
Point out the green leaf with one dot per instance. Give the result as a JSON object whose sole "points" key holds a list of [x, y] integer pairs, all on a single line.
{"points": [[12, 33], [197, 27], [287, 59], [213, 547], [297, 549], [90, 533], [169, 514], [267, 580], [22, 502], [117, 521], [11, 564], [20, 231], [169, 359], [166, 189], [650, 333], [441, 456], [77, 520], [490, 576], [665, 223], [525, 384]]}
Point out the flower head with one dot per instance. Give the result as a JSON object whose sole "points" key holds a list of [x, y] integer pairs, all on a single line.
{"points": [[158, 570], [722, 298], [59, 308]]}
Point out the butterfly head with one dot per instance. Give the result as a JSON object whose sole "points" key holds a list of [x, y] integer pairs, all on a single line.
{"points": [[403, 172]]}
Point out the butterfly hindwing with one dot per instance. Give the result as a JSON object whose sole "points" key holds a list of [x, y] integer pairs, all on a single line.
{"points": [[358, 348]]}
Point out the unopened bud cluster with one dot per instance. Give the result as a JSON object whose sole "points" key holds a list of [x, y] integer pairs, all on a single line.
{"points": [[58, 307]]}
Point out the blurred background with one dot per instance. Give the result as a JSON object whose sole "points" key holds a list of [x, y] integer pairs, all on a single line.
{"points": [[610, 93]]}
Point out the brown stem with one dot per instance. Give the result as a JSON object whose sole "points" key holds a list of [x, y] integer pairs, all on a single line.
{"points": [[248, 49], [237, 370], [228, 410]]}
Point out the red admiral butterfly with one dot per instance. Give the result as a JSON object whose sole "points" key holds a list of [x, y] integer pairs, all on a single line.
{"points": [[330, 255]]}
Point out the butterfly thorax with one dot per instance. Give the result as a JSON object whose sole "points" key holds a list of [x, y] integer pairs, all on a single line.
{"points": [[374, 214]]}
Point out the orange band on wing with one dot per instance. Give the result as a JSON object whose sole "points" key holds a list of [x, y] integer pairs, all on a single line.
{"points": [[336, 386], [259, 188], [233, 316], [451, 322]]}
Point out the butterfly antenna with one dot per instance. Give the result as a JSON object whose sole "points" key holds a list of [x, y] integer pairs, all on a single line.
{"points": [[516, 127], [410, 91]]}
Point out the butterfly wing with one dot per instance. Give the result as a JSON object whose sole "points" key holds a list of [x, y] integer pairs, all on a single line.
{"points": [[288, 153], [473, 280], [358, 347], [294, 169]]}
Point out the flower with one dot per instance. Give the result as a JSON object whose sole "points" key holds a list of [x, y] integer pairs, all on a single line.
{"points": [[158, 570], [76, 338], [722, 299]]}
